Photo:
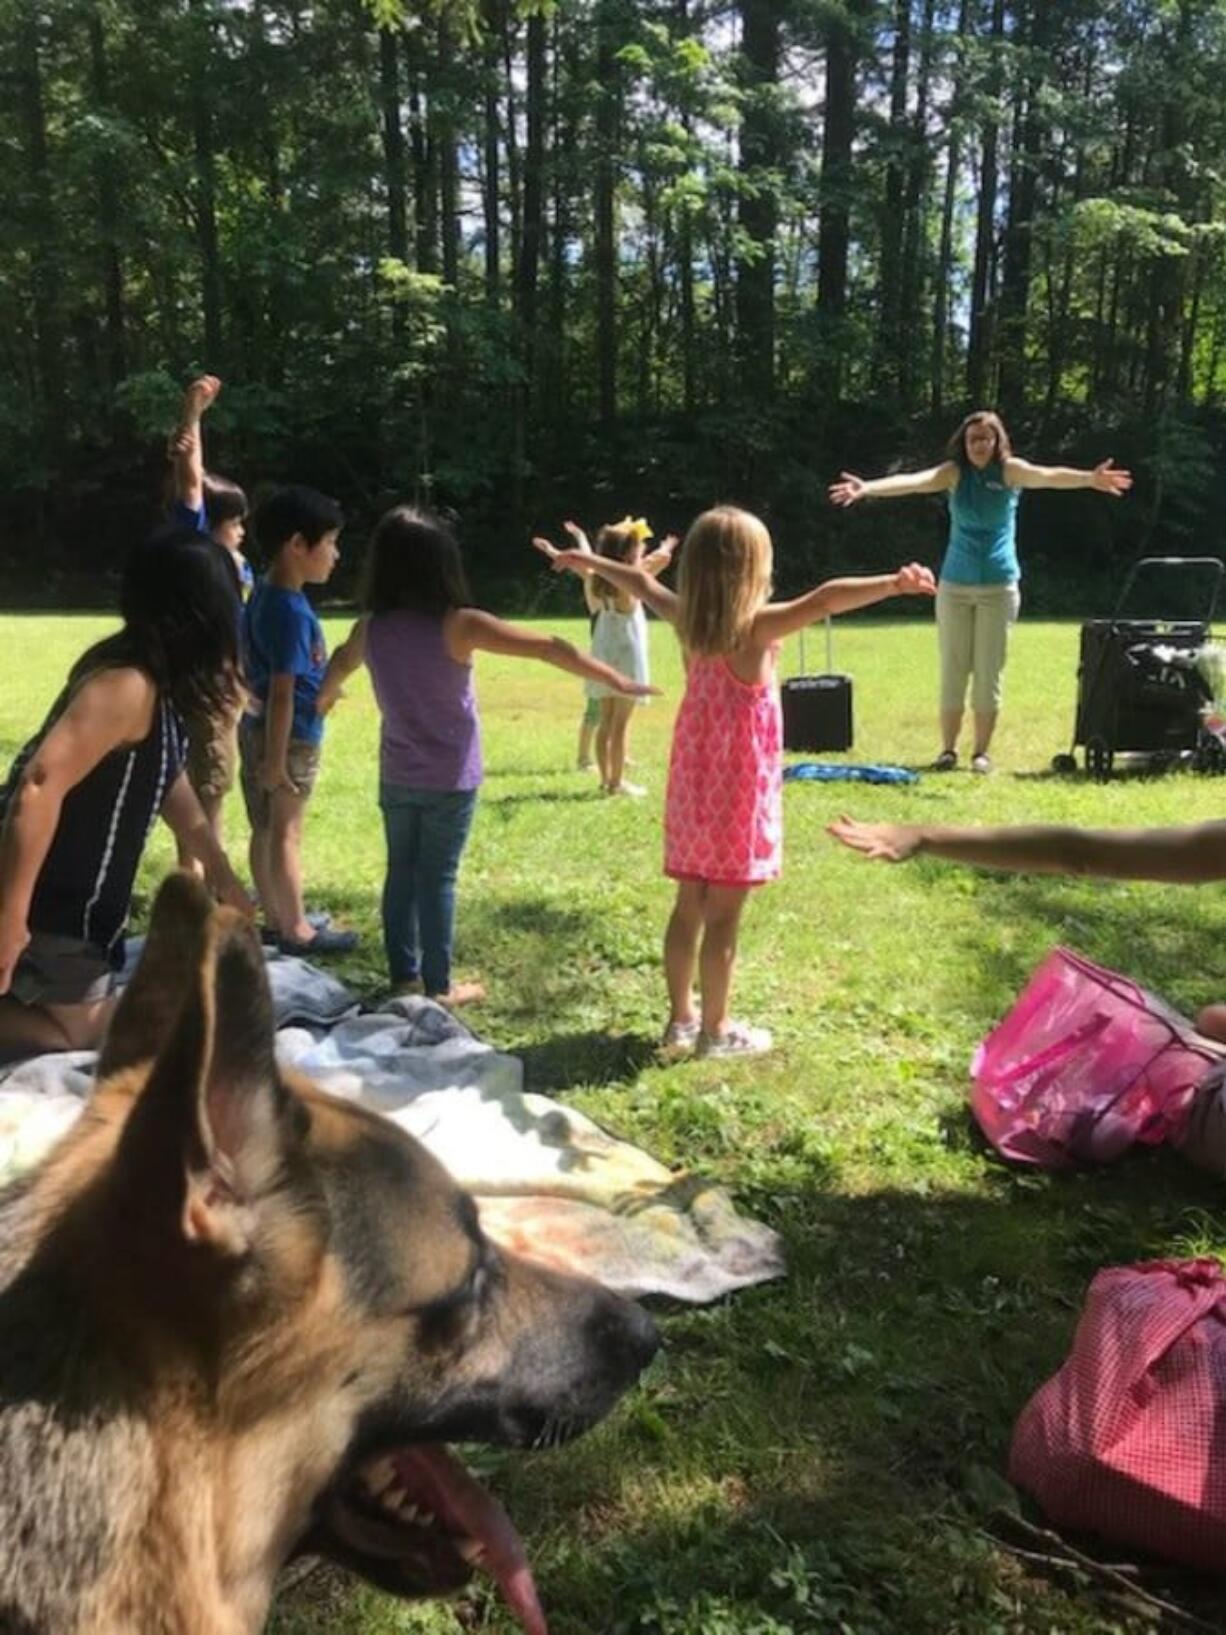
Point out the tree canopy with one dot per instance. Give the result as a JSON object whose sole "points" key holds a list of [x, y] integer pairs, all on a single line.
{"points": [[522, 259]]}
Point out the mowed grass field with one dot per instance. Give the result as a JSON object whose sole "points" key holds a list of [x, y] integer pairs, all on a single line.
{"points": [[823, 1454]]}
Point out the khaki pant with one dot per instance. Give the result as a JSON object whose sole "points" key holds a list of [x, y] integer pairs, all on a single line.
{"points": [[973, 633]]}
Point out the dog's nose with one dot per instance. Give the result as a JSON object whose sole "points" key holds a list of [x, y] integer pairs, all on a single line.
{"points": [[627, 1337]]}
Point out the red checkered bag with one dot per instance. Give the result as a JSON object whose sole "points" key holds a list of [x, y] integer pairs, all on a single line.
{"points": [[1086, 1064], [1127, 1440]]}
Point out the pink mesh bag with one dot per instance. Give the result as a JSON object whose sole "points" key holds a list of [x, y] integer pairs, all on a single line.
{"points": [[1084, 1065], [1128, 1440]]}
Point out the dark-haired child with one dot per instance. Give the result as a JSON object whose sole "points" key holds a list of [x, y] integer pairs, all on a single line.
{"points": [[82, 795], [418, 637], [217, 508], [284, 659]]}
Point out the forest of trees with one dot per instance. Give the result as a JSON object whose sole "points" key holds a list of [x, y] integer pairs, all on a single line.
{"points": [[527, 259]]}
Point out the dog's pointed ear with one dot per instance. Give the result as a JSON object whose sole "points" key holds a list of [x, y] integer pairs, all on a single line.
{"points": [[212, 1129], [152, 1000]]}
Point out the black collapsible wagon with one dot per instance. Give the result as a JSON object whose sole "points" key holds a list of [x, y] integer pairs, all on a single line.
{"points": [[1139, 688]]}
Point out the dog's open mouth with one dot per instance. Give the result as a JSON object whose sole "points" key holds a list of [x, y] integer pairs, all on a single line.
{"points": [[432, 1523]]}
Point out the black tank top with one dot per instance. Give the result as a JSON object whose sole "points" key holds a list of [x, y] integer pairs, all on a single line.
{"points": [[84, 888]]}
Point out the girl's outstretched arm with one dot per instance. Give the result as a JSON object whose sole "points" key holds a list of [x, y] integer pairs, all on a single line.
{"points": [[469, 631], [656, 561], [342, 662], [1186, 856], [1105, 477], [936, 480], [780, 619], [112, 708], [631, 579]]}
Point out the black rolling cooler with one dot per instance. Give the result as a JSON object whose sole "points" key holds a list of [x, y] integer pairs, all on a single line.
{"points": [[1138, 687], [817, 709]]}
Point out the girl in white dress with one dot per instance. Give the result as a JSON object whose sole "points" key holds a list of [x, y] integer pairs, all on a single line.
{"points": [[620, 629]]}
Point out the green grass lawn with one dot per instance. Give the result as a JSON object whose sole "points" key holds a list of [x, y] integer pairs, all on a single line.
{"points": [[817, 1455]]}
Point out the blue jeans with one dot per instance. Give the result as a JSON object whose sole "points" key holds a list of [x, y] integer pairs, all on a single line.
{"points": [[426, 830]]}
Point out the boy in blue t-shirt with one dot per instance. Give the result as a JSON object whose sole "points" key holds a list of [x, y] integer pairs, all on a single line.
{"points": [[284, 658]]}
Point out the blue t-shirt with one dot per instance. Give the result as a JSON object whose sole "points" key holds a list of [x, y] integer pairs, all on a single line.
{"points": [[282, 636], [982, 546]]}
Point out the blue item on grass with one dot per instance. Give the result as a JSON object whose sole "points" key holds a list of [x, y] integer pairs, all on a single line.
{"points": [[836, 772]]}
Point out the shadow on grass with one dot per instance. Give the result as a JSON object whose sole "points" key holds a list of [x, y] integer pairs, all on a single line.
{"points": [[564, 1060]]}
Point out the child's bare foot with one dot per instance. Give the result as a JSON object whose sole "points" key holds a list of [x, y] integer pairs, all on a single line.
{"points": [[460, 993]]}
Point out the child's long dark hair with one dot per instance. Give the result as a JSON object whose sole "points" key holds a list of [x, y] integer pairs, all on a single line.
{"points": [[180, 621], [414, 562]]}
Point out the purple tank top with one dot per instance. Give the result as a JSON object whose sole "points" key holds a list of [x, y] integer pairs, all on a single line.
{"points": [[431, 733]]}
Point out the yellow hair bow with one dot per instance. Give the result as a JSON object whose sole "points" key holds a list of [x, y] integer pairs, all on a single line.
{"points": [[638, 527]]}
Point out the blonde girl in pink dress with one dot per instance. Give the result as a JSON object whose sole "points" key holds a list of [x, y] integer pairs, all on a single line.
{"points": [[723, 820]]}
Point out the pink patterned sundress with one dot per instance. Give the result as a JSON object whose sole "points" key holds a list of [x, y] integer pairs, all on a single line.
{"points": [[723, 816]]}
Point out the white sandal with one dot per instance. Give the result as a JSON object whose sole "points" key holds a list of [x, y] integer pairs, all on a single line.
{"points": [[737, 1039]]}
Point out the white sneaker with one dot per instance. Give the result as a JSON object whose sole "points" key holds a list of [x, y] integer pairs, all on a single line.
{"points": [[738, 1039], [634, 790]]}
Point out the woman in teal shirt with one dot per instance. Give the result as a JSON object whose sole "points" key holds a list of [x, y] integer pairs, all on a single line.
{"points": [[978, 596]]}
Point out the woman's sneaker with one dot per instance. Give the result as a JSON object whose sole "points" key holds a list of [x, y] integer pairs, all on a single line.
{"points": [[981, 763], [679, 1040], [946, 761], [737, 1039]]}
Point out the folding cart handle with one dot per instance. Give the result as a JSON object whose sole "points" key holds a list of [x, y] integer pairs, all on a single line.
{"points": [[829, 647], [1214, 562]]}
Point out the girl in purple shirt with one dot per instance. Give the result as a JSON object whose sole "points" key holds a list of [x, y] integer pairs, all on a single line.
{"points": [[417, 636]]}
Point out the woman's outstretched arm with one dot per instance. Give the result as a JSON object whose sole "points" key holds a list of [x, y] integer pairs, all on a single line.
{"points": [[1105, 477], [936, 480], [1190, 855]]}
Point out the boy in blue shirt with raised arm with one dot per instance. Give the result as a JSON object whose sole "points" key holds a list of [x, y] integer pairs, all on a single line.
{"points": [[284, 657]]}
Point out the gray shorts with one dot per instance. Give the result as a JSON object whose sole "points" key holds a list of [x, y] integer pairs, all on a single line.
{"points": [[301, 762], [57, 970]]}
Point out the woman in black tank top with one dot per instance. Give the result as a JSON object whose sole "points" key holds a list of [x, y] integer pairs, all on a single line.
{"points": [[82, 795]]}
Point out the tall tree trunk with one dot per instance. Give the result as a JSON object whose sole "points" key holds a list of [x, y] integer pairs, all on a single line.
{"points": [[915, 216], [512, 127], [395, 169], [206, 184], [685, 254], [979, 357], [527, 273], [834, 233], [886, 363], [759, 208], [1015, 276], [43, 227], [277, 333], [940, 294], [443, 128], [108, 216], [607, 123], [424, 161], [490, 185]]}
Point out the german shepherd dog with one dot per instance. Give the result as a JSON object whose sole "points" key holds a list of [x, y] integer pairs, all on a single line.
{"points": [[240, 1319]]}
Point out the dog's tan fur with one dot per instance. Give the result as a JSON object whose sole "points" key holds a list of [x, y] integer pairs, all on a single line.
{"points": [[221, 1291]]}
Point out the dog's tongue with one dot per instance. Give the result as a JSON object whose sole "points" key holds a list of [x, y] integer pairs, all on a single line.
{"points": [[464, 1507]]}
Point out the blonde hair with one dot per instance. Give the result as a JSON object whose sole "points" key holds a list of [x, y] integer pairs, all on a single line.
{"points": [[725, 578], [618, 541]]}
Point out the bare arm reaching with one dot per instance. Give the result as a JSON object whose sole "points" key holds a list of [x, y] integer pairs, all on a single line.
{"points": [[468, 630], [1182, 856], [631, 579], [1105, 477], [935, 480], [342, 662], [781, 619], [112, 708]]}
